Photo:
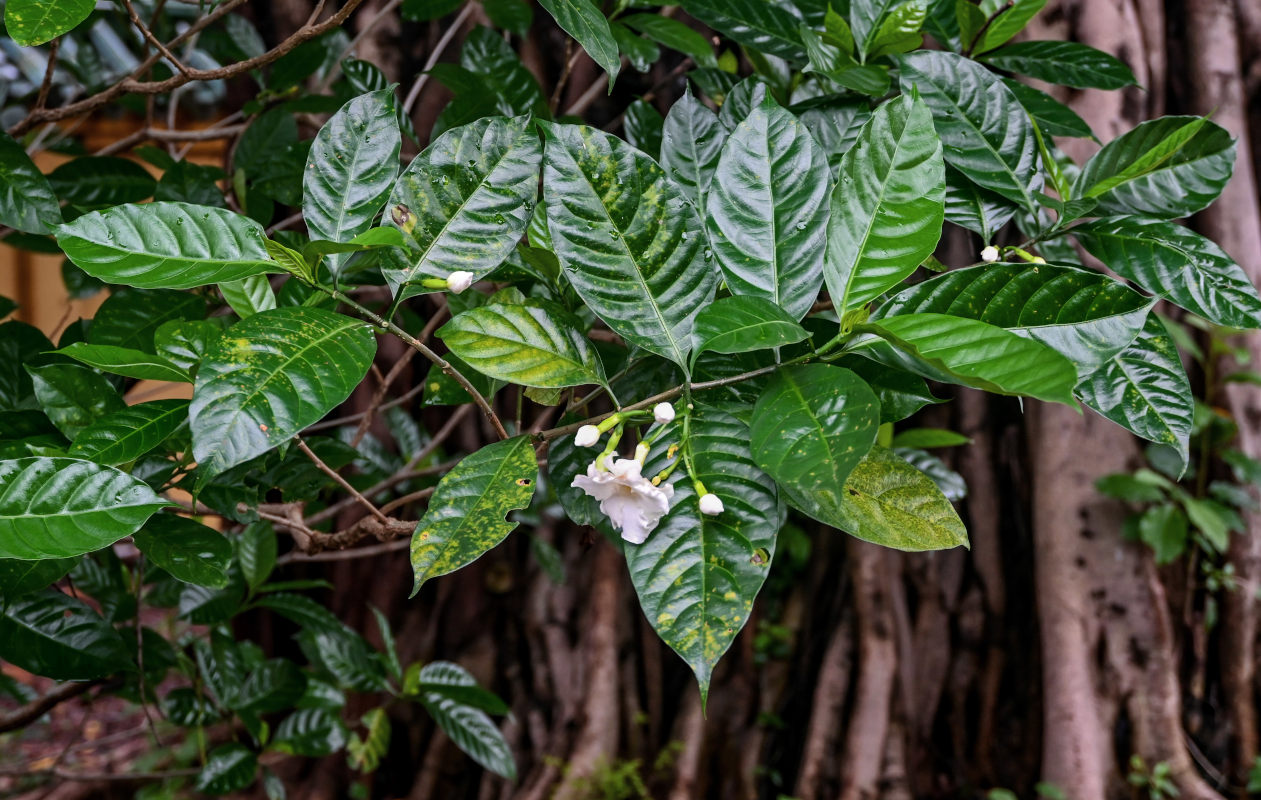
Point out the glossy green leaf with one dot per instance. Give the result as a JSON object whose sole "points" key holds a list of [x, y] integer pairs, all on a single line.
{"points": [[532, 345], [365, 754], [59, 637], [888, 502], [951, 483], [767, 208], [469, 727], [629, 241], [900, 393], [32, 22], [126, 362], [256, 553], [165, 245], [811, 426], [127, 434], [350, 170], [455, 682], [102, 181], [27, 202], [584, 21], [675, 35], [512, 15], [1145, 390], [697, 575], [131, 317], [1065, 63], [230, 768], [743, 324], [60, 507], [1164, 529], [274, 685], [270, 376], [980, 355], [1084, 315], [929, 438], [835, 124], [1177, 264], [1168, 167], [757, 24], [471, 194], [641, 52], [643, 126], [691, 144], [73, 396], [19, 577], [984, 131], [20, 345], [838, 65], [512, 87], [466, 514], [888, 207], [1006, 18], [1051, 116], [248, 295], [185, 342], [190, 551], [899, 31], [979, 210], [310, 732], [865, 17]]}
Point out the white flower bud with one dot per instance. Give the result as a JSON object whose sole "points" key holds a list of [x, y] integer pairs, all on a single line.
{"points": [[711, 504], [990, 254], [586, 436], [459, 281], [663, 413], [641, 452]]}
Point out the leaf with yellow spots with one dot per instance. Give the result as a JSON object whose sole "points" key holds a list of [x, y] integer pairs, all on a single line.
{"points": [[271, 375], [32, 22], [466, 516], [697, 575]]}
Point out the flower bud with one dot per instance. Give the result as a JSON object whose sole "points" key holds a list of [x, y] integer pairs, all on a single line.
{"points": [[663, 413], [990, 254], [587, 436], [459, 281], [711, 504]]}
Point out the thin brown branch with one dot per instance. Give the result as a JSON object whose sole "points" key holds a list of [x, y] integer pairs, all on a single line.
{"points": [[21, 717], [153, 40], [345, 484], [345, 555], [438, 49], [47, 84]]}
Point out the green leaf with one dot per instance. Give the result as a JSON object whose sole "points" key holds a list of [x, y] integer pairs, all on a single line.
{"points": [[72, 396], [888, 206], [643, 126], [471, 194], [980, 355], [675, 35], [455, 682], [248, 295], [102, 181], [350, 170], [582, 20], [32, 22], [18, 577], [1130, 488], [691, 144], [185, 342], [511, 15], [985, 132], [1145, 390], [365, 754], [888, 502], [835, 124], [743, 324], [899, 31], [811, 426], [1163, 528], [310, 732], [979, 210], [1177, 264], [901, 393], [132, 317], [128, 433], [929, 438], [1050, 115], [20, 344], [865, 17], [1084, 315], [951, 483], [697, 575], [766, 210], [468, 726], [270, 376], [466, 514], [256, 553], [642, 53], [59, 637], [531, 345], [629, 241], [1168, 167], [836, 64], [125, 361], [757, 24], [274, 685], [230, 768], [191, 552], [1065, 63], [165, 245], [1007, 18], [442, 390], [27, 202]]}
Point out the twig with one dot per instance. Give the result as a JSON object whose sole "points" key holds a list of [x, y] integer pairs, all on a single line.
{"points": [[42, 705], [592, 92], [344, 555], [336, 69], [399, 502], [345, 484], [447, 36], [571, 59], [46, 85], [153, 40], [325, 424]]}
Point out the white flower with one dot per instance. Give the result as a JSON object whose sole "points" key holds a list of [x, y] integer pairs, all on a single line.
{"points": [[627, 498], [990, 254], [459, 281], [586, 436], [711, 504], [663, 413]]}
